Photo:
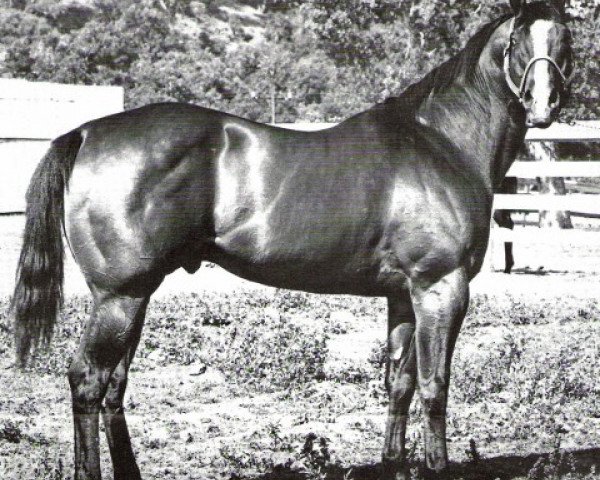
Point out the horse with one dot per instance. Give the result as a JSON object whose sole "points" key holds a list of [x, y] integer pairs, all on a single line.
{"points": [[395, 201]]}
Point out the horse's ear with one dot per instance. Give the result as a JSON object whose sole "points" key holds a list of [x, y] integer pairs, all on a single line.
{"points": [[517, 6]]}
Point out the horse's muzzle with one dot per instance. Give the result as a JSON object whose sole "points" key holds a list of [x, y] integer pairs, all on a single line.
{"points": [[539, 122], [540, 113], [541, 116]]}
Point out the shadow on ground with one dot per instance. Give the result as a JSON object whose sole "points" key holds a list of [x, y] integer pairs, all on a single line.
{"points": [[537, 271], [502, 468]]}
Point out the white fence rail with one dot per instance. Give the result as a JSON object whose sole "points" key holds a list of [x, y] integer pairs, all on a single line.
{"points": [[555, 169], [584, 202], [33, 113], [575, 202]]}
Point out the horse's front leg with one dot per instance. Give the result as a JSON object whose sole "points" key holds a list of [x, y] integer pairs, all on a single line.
{"points": [[504, 219], [439, 308], [400, 382]]}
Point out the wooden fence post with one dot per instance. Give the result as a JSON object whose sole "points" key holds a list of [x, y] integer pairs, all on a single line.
{"points": [[546, 152]]}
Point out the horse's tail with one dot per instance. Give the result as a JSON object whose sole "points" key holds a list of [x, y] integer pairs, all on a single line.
{"points": [[38, 292]]}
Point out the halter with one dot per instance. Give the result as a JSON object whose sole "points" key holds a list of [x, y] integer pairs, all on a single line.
{"points": [[520, 90]]}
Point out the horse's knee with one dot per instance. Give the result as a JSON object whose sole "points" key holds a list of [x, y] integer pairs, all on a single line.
{"points": [[434, 398]]}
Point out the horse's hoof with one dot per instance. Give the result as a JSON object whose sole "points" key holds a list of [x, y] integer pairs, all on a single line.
{"points": [[429, 474], [394, 471], [404, 475]]}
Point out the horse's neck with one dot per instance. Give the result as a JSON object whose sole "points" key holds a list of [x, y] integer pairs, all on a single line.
{"points": [[481, 128], [479, 118]]}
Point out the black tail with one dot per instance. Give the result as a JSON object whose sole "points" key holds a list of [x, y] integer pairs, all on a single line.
{"points": [[38, 291]]}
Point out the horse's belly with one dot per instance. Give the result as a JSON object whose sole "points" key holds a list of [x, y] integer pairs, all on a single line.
{"points": [[302, 264], [316, 279]]}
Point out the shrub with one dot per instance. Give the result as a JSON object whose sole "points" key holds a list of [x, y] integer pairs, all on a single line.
{"points": [[11, 432], [267, 353]]}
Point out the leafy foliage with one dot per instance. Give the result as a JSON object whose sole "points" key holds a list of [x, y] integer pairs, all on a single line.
{"points": [[271, 352], [524, 377], [320, 60]]}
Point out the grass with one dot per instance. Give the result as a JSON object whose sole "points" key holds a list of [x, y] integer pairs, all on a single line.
{"points": [[290, 385]]}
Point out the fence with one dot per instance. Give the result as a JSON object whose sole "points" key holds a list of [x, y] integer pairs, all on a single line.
{"points": [[585, 202], [33, 113]]}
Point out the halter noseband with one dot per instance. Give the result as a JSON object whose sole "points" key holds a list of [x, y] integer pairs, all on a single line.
{"points": [[519, 91]]}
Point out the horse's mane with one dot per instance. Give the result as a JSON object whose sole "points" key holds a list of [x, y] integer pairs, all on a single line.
{"points": [[463, 64]]}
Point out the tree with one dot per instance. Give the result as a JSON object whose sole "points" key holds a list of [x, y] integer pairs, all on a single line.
{"points": [[585, 94], [328, 59]]}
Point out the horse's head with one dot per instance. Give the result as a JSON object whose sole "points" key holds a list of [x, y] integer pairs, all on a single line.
{"points": [[538, 59]]}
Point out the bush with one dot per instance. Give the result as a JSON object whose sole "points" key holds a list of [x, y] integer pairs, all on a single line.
{"points": [[265, 353], [11, 432]]}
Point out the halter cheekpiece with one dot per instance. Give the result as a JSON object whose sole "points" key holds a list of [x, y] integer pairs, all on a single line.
{"points": [[519, 91]]}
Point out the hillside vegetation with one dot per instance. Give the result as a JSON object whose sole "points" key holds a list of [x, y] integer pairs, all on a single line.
{"points": [[321, 60]]}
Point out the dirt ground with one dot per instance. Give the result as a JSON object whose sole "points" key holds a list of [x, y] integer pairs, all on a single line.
{"points": [[189, 425]]}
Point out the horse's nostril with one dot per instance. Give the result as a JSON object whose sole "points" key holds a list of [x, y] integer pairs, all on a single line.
{"points": [[535, 122]]}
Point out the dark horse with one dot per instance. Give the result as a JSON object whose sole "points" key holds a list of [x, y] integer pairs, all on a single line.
{"points": [[395, 201]]}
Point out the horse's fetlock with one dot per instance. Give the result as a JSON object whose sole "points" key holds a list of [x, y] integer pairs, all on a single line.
{"points": [[394, 468]]}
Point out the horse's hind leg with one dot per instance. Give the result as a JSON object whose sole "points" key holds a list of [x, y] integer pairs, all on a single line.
{"points": [[113, 413], [439, 309], [109, 336], [400, 381]]}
